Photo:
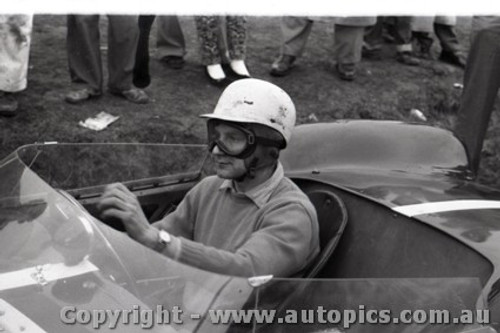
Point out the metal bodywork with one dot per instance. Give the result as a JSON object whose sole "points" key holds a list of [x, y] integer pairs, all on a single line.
{"points": [[392, 172]]}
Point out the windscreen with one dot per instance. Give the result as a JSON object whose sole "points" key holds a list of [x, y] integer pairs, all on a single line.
{"points": [[75, 166], [59, 267]]}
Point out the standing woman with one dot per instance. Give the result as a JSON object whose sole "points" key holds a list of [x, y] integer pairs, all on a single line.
{"points": [[211, 39]]}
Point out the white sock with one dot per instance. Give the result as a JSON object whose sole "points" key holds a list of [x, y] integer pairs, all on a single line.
{"points": [[238, 66], [216, 72]]}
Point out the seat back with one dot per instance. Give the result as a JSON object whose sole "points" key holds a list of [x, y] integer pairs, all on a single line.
{"points": [[332, 220]]}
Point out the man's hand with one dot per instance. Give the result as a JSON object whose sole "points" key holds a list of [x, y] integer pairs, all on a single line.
{"points": [[118, 202]]}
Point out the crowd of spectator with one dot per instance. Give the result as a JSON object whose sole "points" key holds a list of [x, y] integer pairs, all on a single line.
{"points": [[222, 51]]}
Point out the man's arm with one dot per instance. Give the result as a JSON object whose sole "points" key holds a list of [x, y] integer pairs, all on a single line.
{"points": [[284, 244], [119, 202]]}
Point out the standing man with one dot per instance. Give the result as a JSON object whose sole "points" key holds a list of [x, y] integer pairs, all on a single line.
{"points": [[399, 30], [249, 219], [348, 44], [444, 28], [84, 57]]}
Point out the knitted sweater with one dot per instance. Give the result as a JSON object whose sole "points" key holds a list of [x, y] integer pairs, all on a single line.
{"points": [[271, 229]]}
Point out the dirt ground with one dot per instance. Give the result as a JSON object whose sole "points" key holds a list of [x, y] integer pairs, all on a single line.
{"points": [[383, 89]]}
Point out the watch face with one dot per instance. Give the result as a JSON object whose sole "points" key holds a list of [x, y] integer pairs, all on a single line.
{"points": [[164, 237]]}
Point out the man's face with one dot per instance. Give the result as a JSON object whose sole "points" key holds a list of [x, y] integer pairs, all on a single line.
{"points": [[228, 167]]}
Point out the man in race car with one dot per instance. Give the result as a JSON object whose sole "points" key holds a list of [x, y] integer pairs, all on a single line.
{"points": [[249, 219]]}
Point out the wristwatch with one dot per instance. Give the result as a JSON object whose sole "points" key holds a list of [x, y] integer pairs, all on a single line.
{"points": [[163, 240]]}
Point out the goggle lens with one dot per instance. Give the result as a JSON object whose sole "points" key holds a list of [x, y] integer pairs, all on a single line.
{"points": [[232, 140]]}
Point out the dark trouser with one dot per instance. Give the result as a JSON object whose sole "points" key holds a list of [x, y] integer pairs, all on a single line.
{"points": [[481, 84], [447, 38], [84, 54], [142, 78], [424, 41], [399, 28]]}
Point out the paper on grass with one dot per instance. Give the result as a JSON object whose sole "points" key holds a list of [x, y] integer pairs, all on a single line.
{"points": [[99, 122]]}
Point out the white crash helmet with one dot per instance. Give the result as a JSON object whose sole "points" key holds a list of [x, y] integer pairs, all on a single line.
{"points": [[255, 101]]}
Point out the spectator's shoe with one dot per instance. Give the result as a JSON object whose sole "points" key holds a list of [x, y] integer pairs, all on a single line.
{"points": [[407, 58], [347, 72], [424, 54], [8, 105], [239, 69], [283, 65], [174, 62], [133, 95], [373, 52], [388, 36], [81, 95], [453, 58], [216, 75], [422, 45], [141, 77], [424, 51]]}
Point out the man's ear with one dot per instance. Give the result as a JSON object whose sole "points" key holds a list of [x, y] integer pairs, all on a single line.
{"points": [[274, 152]]}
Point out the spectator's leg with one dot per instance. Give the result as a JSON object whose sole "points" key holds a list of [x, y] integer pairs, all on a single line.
{"points": [[84, 56], [347, 49], [236, 29], [14, 56], [402, 38], [447, 37], [123, 36], [424, 44], [452, 51], [401, 30], [207, 27], [142, 77], [170, 39], [481, 84], [295, 32], [373, 39], [373, 35]]}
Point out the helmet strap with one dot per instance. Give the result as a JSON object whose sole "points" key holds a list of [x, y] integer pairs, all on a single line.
{"points": [[253, 164]]}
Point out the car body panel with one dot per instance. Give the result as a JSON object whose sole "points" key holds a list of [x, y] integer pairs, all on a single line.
{"points": [[375, 145], [403, 172]]}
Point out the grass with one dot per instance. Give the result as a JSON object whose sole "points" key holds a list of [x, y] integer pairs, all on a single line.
{"points": [[383, 89]]}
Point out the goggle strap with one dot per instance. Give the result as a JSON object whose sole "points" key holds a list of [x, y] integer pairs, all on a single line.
{"points": [[269, 142]]}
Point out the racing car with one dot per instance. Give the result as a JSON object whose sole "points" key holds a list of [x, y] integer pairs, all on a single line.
{"points": [[404, 229]]}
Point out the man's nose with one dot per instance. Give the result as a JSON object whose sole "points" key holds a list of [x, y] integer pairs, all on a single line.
{"points": [[216, 150]]}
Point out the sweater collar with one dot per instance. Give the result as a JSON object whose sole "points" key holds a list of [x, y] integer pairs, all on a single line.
{"points": [[259, 194]]}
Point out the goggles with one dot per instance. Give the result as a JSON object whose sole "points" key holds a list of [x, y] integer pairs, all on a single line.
{"points": [[232, 139]]}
